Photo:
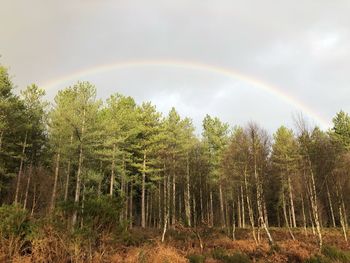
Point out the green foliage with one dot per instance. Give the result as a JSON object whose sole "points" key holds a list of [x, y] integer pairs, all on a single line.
{"points": [[221, 254], [334, 253], [102, 213], [14, 221], [135, 238], [341, 129], [12, 123], [215, 138], [318, 259], [194, 258]]}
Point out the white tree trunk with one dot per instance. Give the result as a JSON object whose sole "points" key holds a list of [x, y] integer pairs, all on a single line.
{"points": [[111, 184], [20, 169], [68, 174], [80, 167], [27, 187], [143, 216], [54, 188], [187, 194]]}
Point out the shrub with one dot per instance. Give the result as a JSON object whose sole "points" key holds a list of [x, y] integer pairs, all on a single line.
{"points": [[99, 214], [14, 221], [196, 258], [220, 254], [102, 214], [238, 258], [15, 228], [318, 259], [336, 254], [128, 238]]}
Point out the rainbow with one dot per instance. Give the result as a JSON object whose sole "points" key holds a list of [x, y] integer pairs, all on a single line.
{"points": [[81, 74]]}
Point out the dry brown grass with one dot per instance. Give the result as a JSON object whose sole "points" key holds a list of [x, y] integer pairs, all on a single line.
{"points": [[297, 251], [154, 254], [53, 246]]}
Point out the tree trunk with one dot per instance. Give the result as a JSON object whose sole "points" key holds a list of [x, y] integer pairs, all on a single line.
{"points": [[222, 212], [290, 190], [239, 215], [233, 219], [266, 216], [173, 220], [342, 222], [33, 201], [131, 215], [126, 209], [341, 216], [165, 195], [83, 205], [187, 194], [179, 209], [330, 205], [159, 206], [168, 198], [201, 202], [77, 187], [80, 167], [259, 200], [123, 188], [314, 205], [227, 219], [343, 206], [68, 174], [194, 211], [20, 169], [143, 216], [54, 189], [111, 184], [304, 216], [250, 209], [208, 211], [165, 227], [147, 197], [27, 187], [242, 205], [285, 217], [211, 209]]}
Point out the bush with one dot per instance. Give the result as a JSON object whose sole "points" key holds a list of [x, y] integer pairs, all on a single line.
{"points": [[99, 214], [318, 259], [14, 221], [103, 212], [220, 254], [15, 229], [336, 254], [196, 258], [134, 238]]}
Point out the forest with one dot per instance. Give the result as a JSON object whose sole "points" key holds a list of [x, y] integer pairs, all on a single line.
{"points": [[87, 180]]}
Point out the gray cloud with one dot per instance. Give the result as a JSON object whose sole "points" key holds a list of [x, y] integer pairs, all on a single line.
{"points": [[300, 47]]}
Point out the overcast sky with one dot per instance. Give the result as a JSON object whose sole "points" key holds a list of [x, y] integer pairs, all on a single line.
{"points": [[300, 47]]}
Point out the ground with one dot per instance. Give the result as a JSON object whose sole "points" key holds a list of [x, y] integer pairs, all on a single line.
{"points": [[183, 245]]}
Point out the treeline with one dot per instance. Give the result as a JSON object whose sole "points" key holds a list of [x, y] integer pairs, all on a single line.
{"points": [[58, 159]]}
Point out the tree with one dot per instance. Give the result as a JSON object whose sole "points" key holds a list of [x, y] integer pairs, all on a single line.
{"points": [[75, 114], [148, 119], [12, 132], [285, 161], [35, 139], [305, 142], [341, 129], [215, 137]]}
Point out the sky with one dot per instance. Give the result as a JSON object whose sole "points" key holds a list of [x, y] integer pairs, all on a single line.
{"points": [[262, 61]]}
